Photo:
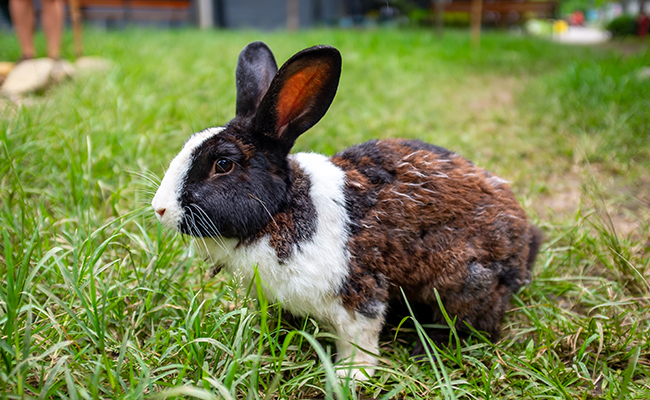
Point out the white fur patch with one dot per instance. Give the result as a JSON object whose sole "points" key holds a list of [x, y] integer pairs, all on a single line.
{"points": [[364, 332], [496, 181], [168, 193]]}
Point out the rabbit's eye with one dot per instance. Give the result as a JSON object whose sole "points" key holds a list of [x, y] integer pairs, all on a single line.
{"points": [[222, 166]]}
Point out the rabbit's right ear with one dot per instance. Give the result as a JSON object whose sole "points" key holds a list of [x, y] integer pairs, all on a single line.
{"points": [[255, 70], [299, 95]]}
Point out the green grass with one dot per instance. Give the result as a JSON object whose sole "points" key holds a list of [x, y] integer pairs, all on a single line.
{"points": [[97, 301]]}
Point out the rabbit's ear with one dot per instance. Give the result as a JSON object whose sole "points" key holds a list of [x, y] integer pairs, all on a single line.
{"points": [[255, 70], [300, 94]]}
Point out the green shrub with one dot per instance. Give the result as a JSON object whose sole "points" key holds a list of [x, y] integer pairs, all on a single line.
{"points": [[622, 26], [457, 19]]}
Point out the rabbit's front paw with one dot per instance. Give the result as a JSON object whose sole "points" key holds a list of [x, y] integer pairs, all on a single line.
{"points": [[358, 374]]}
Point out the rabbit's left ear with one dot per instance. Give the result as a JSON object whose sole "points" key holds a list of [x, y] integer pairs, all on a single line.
{"points": [[299, 95], [255, 70]]}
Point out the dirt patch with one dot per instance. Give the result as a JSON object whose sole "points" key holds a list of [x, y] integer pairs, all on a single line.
{"points": [[632, 213], [626, 47], [624, 206], [624, 225], [563, 196]]}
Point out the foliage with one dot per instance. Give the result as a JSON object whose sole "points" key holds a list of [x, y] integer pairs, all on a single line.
{"points": [[456, 19], [623, 25], [98, 301], [569, 6]]}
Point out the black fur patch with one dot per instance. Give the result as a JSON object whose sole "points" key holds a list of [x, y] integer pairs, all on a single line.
{"points": [[296, 222], [361, 193], [479, 280], [371, 288], [373, 308], [536, 239], [301, 207]]}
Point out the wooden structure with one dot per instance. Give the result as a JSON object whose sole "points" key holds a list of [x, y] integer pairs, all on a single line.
{"points": [[507, 10], [495, 12], [476, 17], [234, 14], [276, 14], [120, 12]]}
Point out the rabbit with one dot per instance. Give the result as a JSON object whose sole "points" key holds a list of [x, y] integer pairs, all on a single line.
{"points": [[339, 238]]}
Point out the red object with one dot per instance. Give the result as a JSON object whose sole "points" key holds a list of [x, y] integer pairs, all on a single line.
{"points": [[642, 25], [577, 18]]}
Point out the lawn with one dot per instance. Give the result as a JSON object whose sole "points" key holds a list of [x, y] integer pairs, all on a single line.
{"points": [[98, 301]]}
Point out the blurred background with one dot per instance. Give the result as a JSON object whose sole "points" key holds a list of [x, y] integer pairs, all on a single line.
{"points": [[294, 14], [98, 301]]}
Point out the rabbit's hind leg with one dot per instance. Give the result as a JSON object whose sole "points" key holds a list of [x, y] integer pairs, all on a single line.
{"points": [[358, 343]]}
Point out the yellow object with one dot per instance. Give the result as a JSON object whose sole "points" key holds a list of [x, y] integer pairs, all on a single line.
{"points": [[560, 26]]}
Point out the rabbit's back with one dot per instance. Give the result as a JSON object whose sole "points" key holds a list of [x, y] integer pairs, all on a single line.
{"points": [[424, 218]]}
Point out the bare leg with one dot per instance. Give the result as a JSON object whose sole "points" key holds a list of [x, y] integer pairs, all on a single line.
{"points": [[52, 17], [22, 16]]}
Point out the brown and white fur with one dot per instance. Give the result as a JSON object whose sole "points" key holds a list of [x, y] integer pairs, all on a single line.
{"points": [[336, 238]]}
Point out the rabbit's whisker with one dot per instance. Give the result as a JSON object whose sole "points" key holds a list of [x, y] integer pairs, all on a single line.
{"points": [[194, 229], [148, 176], [211, 228], [265, 209]]}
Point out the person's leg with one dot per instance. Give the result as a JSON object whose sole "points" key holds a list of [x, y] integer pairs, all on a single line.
{"points": [[52, 20], [22, 17]]}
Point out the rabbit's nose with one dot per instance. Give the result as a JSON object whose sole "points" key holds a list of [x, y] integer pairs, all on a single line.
{"points": [[161, 211]]}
